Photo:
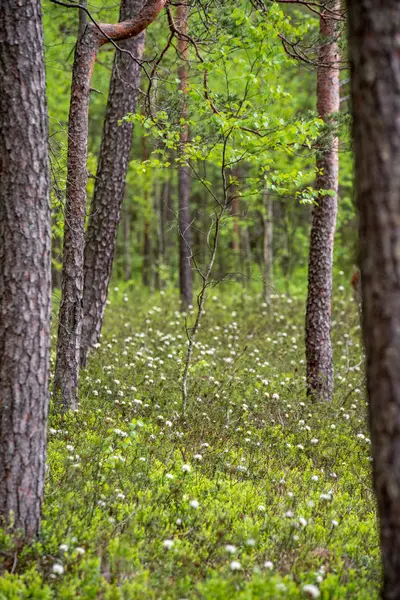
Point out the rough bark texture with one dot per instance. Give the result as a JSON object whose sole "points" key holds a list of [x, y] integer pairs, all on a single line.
{"points": [[70, 316], [184, 180], [374, 42], [25, 266], [71, 312], [105, 211], [318, 317]]}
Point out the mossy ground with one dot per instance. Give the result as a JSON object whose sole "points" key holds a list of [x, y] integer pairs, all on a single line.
{"points": [[255, 494]]}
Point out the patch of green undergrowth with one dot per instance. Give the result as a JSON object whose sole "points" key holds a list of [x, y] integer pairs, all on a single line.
{"points": [[256, 494]]}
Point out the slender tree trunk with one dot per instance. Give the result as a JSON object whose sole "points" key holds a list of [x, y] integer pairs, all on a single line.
{"points": [[109, 187], [25, 267], [127, 230], [159, 253], [318, 316], [162, 209], [83, 19], [71, 313], [184, 181], [235, 211], [374, 43], [267, 219], [146, 254], [247, 255]]}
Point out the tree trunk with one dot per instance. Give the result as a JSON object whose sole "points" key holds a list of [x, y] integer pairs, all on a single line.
{"points": [[146, 279], [247, 255], [267, 219], [318, 316], [83, 19], [127, 244], [374, 43], [159, 246], [70, 316], [109, 187], [71, 313], [25, 267], [184, 181], [235, 211]]}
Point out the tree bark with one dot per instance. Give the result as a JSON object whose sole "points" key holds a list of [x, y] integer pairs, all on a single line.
{"points": [[374, 44], [105, 211], [25, 267], [184, 181], [267, 219], [146, 269], [71, 312], [318, 315], [127, 244]]}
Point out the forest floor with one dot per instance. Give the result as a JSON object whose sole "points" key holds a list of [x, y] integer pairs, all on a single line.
{"points": [[257, 494]]}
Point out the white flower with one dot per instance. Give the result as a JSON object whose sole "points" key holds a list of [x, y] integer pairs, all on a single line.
{"points": [[186, 468], [194, 503], [302, 521], [289, 514], [167, 544], [314, 441], [63, 547], [80, 550], [235, 565], [251, 542], [268, 564], [311, 590], [261, 508], [169, 476], [198, 457], [314, 478], [58, 569], [275, 396], [230, 548], [334, 523], [325, 497]]}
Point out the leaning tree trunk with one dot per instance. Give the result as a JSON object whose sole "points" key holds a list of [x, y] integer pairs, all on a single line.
{"points": [[105, 210], [184, 180], [25, 266], [318, 317], [374, 42], [71, 312]]}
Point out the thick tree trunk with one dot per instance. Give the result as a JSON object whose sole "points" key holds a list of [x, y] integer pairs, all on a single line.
{"points": [[318, 317], [267, 219], [108, 195], [374, 43], [71, 313], [70, 316], [25, 266], [184, 180]]}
